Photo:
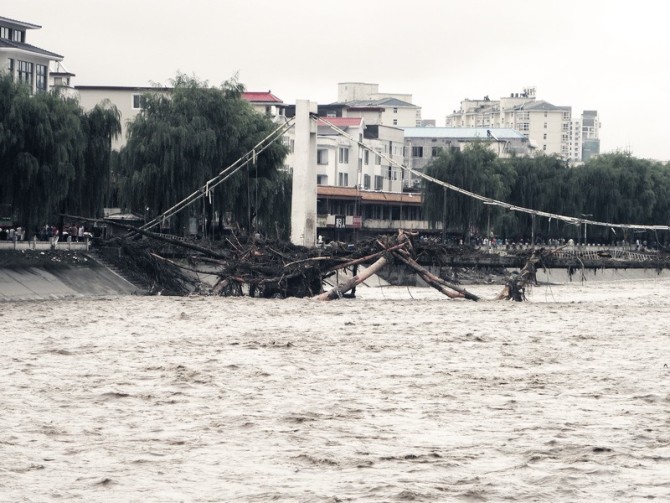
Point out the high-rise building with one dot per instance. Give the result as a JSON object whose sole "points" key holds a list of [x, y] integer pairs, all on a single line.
{"points": [[550, 129]]}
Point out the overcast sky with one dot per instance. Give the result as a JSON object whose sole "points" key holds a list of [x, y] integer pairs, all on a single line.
{"points": [[607, 55]]}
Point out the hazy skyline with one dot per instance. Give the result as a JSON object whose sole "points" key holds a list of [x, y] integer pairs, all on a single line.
{"points": [[604, 55]]}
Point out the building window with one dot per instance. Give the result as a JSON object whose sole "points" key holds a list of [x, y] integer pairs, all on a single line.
{"points": [[322, 179], [139, 102], [523, 126], [545, 136], [379, 182], [4, 32], [395, 110], [378, 160], [322, 156], [25, 73], [17, 35], [544, 147], [435, 151], [545, 125], [366, 181], [41, 78], [344, 155], [417, 151], [11, 68], [366, 157], [395, 122], [343, 179]]}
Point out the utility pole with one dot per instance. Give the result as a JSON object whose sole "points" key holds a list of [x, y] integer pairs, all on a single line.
{"points": [[444, 216]]}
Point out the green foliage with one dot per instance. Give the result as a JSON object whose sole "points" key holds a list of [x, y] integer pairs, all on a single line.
{"points": [[183, 139], [616, 188], [53, 156], [476, 169]]}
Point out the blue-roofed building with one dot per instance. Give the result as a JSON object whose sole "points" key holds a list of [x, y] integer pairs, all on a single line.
{"points": [[422, 145]]}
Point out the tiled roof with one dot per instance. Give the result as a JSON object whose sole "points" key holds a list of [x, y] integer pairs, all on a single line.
{"points": [[369, 196], [340, 121], [29, 48], [260, 97], [464, 133]]}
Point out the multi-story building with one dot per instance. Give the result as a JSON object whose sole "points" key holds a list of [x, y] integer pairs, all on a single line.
{"points": [[359, 181], [590, 139], [423, 145], [550, 129], [394, 109], [26, 63], [128, 100], [342, 162], [546, 126]]}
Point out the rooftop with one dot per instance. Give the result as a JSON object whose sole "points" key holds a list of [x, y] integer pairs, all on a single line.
{"points": [[380, 103], [340, 121], [20, 46], [17, 25], [464, 133], [539, 105], [261, 97]]}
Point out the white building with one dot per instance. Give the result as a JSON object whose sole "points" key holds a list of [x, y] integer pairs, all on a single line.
{"points": [[128, 100], [423, 145], [395, 109], [35, 67], [551, 129]]}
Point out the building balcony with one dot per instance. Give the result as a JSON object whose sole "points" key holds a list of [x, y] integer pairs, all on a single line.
{"points": [[351, 222]]}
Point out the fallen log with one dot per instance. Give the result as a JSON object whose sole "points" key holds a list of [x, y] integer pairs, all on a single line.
{"points": [[435, 281], [338, 291]]}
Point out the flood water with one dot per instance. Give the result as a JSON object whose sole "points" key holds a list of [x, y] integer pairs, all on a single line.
{"points": [[398, 395]]}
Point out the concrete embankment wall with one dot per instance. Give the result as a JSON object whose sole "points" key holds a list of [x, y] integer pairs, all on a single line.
{"points": [[35, 275]]}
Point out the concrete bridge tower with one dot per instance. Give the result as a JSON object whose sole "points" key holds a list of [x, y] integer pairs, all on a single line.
{"points": [[303, 204]]}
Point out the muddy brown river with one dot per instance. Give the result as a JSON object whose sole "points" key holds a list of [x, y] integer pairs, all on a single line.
{"points": [[398, 395]]}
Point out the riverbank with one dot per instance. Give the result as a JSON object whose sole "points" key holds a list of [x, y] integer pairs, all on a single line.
{"points": [[30, 274]]}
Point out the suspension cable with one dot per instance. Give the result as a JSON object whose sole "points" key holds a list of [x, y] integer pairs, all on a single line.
{"points": [[484, 199], [244, 160]]}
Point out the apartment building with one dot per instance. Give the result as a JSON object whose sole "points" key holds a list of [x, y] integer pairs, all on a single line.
{"points": [[342, 162], [359, 181], [590, 134], [35, 67], [395, 109], [550, 129]]}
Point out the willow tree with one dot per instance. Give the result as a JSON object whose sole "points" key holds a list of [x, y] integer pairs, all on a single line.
{"points": [[54, 157], [90, 190], [185, 137], [476, 169]]}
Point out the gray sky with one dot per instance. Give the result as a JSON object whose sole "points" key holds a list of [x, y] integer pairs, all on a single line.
{"points": [[607, 55]]}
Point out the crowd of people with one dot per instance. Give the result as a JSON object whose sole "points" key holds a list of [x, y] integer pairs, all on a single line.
{"points": [[72, 233], [12, 234]]}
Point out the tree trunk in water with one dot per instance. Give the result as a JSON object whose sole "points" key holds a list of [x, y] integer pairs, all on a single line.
{"points": [[435, 281], [337, 292]]}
